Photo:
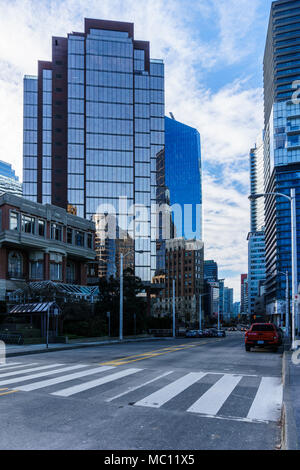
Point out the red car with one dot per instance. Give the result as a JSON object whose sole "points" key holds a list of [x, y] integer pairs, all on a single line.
{"points": [[263, 334]]}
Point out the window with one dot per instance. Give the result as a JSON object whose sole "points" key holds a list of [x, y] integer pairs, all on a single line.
{"points": [[15, 264], [56, 232], [13, 223], [41, 228], [70, 274], [69, 236], [90, 240], [79, 238], [55, 271], [28, 224], [36, 270]]}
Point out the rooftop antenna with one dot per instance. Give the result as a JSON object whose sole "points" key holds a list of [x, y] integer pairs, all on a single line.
{"points": [[172, 116]]}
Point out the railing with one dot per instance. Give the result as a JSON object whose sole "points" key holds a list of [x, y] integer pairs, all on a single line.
{"points": [[10, 338]]}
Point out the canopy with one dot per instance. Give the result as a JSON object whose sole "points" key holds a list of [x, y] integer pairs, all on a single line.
{"points": [[35, 309]]}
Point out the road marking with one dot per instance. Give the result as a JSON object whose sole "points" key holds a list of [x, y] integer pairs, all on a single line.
{"points": [[64, 378], [95, 383], [2, 389], [25, 371], [165, 394], [213, 400], [40, 374], [8, 393], [9, 366], [268, 400], [148, 355], [131, 389]]}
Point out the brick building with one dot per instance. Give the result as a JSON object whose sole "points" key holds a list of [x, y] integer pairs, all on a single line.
{"points": [[41, 242], [184, 264]]}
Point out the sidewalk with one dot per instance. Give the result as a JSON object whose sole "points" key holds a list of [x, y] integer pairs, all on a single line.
{"points": [[13, 350], [291, 399]]}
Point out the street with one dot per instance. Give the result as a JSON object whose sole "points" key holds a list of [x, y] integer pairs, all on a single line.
{"points": [[168, 394]]}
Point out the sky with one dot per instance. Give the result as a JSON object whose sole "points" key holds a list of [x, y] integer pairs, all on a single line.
{"points": [[213, 53]]}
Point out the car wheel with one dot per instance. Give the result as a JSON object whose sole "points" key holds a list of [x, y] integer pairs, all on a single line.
{"points": [[248, 348], [275, 349]]}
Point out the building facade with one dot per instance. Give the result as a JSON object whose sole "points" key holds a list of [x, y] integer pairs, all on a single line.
{"points": [[210, 270], [41, 242], [9, 182], [244, 294], [184, 265], [183, 177], [93, 126], [281, 142]]}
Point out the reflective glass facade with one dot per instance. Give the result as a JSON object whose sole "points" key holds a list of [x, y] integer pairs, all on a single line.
{"points": [[30, 129], [281, 144], [114, 129], [183, 175]]}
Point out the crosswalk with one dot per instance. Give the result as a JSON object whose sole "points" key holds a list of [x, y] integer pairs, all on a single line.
{"points": [[208, 394]]}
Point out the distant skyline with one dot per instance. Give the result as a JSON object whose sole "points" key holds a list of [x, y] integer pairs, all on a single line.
{"points": [[213, 52]]}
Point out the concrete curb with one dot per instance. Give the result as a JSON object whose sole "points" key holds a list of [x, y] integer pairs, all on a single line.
{"points": [[79, 346], [289, 429]]}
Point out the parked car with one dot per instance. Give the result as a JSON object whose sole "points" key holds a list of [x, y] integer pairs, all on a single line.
{"points": [[191, 334], [263, 334], [221, 333]]}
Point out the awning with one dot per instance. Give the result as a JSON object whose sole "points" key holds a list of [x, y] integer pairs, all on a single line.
{"points": [[35, 309]]}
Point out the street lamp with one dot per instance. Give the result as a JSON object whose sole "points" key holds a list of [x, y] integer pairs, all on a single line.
{"points": [[292, 200], [121, 288]]}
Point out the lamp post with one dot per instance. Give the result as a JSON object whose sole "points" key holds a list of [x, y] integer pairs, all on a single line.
{"points": [[292, 200]]}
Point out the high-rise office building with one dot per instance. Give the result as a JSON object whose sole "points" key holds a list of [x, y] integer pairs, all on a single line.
{"points": [[9, 182], [282, 143], [256, 237], [210, 270], [183, 176], [244, 294], [228, 303], [93, 126]]}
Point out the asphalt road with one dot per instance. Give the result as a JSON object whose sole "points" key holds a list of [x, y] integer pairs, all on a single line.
{"points": [[170, 394]]}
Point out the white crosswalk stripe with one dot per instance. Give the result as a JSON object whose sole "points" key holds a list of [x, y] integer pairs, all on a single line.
{"points": [[67, 392], [218, 399], [213, 400], [8, 364], [132, 389], [268, 401], [159, 398], [25, 371], [40, 374], [64, 378]]}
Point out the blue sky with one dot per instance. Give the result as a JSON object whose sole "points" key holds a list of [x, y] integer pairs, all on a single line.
{"points": [[213, 51]]}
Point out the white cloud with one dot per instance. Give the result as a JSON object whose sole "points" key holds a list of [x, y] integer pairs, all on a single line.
{"points": [[228, 120]]}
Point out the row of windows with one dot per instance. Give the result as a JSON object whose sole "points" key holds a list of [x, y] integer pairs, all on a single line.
{"points": [[110, 142], [113, 64], [113, 174], [95, 157], [109, 48], [30, 111], [109, 190]]}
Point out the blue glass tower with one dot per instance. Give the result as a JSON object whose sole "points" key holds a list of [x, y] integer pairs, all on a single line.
{"points": [[183, 176], [7, 171], [281, 146]]}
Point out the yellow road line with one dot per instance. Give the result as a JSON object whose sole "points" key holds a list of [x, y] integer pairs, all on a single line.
{"points": [[7, 393], [2, 389], [149, 355]]}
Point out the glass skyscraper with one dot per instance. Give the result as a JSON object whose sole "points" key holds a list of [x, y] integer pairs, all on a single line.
{"points": [[183, 176], [281, 145], [93, 127], [9, 182], [256, 237]]}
